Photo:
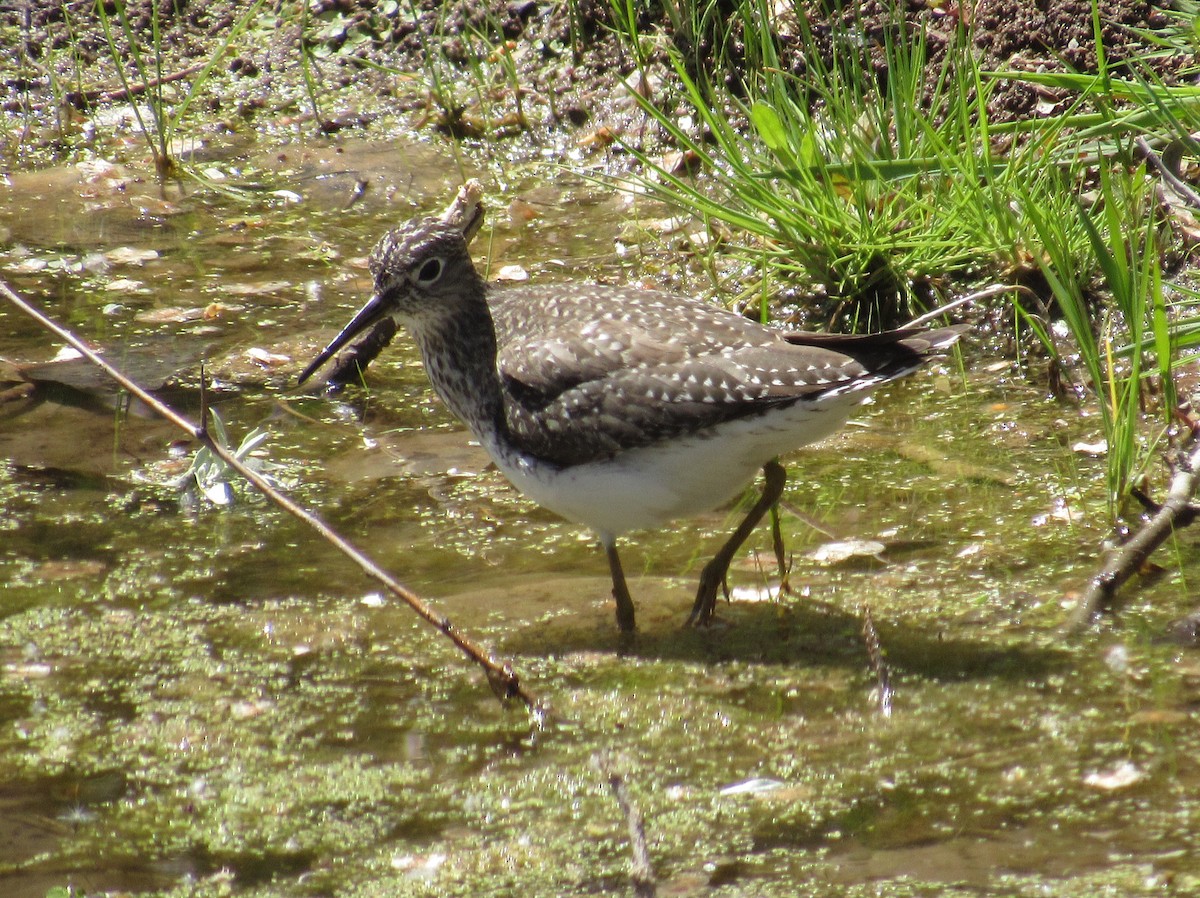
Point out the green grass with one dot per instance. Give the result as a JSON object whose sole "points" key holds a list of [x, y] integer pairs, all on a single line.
{"points": [[165, 113], [880, 194], [1126, 341], [867, 192], [1122, 328]]}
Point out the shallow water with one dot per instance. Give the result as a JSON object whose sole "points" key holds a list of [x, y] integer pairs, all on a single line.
{"points": [[202, 701]]}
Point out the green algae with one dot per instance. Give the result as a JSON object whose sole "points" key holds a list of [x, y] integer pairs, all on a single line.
{"points": [[207, 702]]}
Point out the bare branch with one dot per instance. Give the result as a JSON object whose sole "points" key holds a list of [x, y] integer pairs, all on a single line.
{"points": [[1175, 511], [1167, 167], [641, 871], [503, 679], [986, 293]]}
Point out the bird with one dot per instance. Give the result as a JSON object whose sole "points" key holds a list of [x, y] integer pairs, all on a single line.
{"points": [[620, 408]]}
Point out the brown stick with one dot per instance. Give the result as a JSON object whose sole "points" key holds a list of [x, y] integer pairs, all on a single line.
{"points": [[82, 99], [503, 679], [1175, 511], [641, 871]]}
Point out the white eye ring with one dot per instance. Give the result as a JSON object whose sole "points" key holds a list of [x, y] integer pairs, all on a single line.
{"points": [[430, 271]]}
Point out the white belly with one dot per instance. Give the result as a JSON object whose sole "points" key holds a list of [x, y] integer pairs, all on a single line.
{"points": [[644, 488]]}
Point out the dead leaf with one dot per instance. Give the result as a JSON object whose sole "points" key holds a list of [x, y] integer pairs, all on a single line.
{"points": [[257, 289], [68, 570], [844, 549], [520, 212], [1159, 717], [602, 137], [217, 309], [170, 315], [267, 358], [123, 285], [1097, 450], [1119, 776], [1060, 512], [679, 162]]}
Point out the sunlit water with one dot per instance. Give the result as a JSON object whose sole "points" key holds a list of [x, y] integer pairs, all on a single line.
{"points": [[210, 701]]}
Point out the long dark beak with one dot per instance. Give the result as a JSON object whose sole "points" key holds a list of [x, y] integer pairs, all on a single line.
{"points": [[375, 309]]}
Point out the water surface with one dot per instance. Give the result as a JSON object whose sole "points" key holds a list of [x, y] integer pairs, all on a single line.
{"points": [[204, 701]]}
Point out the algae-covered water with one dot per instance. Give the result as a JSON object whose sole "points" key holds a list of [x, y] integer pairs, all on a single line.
{"points": [[201, 700]]}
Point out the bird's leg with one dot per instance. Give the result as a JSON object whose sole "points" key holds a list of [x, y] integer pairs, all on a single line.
{"points": [[625, 613], [780, 551], [713, 575]]}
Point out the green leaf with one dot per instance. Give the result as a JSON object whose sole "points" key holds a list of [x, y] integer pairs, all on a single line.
{"points": [[766, 121]]}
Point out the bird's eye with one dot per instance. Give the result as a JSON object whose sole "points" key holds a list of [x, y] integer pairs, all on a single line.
{"points": [[430, 272]]}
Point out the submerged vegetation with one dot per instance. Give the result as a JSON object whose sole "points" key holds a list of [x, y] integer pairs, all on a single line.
{"points": [[200, 702]]}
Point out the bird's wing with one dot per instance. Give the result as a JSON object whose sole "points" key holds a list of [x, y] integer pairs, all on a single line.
{"points": [[597, 372]]}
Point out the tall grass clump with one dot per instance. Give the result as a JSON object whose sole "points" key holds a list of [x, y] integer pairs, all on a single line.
{"points": [[1131, 329], [1126, 344], [478, 94], [869, 186], [872, 170]]}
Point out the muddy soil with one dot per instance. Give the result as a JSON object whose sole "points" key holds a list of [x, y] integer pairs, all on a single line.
{"points": [[558, 63]]}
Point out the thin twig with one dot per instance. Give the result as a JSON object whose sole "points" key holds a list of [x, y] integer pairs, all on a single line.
{"points": [[641, 871], [1166, 166], [1127, 560], [82, 99], [501, 676]]}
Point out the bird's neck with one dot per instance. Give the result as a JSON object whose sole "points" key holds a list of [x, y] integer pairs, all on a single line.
{"points": [[459, 352]]}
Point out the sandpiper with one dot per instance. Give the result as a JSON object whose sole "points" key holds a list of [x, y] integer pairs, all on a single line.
{"points": [[617, 408]]}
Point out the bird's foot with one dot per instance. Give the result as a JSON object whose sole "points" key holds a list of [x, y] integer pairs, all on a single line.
{"points": [[712, 578]]}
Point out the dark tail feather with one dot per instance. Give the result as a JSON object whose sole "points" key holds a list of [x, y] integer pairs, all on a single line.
{"points": [[934, 341], [899, 350]]}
